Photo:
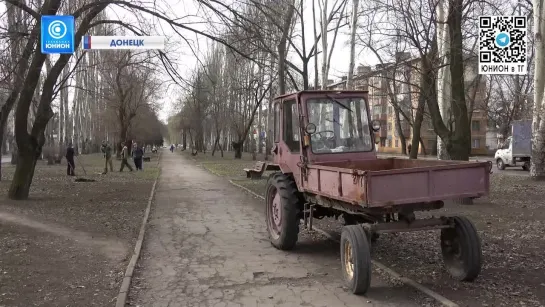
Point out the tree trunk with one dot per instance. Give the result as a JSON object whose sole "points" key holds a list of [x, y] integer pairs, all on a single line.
{"points": [[460, 145], [3, 124], [24, 172], [220, 147], [423, 146], [237, 147], [399, 130], [323, 24], [282, 46], [352, 59], [537, 166], [426, 84], [443, 77], [216, 142], [316, 74], [184, 139]]}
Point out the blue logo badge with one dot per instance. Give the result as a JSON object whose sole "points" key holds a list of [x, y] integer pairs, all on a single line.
{"points": [[502, 39], [57, 34]]}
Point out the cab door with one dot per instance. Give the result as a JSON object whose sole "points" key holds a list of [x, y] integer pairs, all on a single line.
{"points": [[287, 137]]}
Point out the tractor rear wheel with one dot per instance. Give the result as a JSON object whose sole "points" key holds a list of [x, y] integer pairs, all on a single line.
{"points": [[282, 210], [461, 249], [356, 259]]}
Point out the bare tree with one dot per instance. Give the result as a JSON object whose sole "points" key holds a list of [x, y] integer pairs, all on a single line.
{"points": [[15, 61], [87, 15], [131, 86], [353, 31]]}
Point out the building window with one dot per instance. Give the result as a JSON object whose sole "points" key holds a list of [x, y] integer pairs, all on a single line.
{"points": [[476, 143], [376, 109], [475, 125], [389, 143], [389, 126], [397, 143], [390, 110]]}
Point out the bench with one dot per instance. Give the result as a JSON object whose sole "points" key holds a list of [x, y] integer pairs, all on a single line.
{"points": [[146, 159], [257, 171]]}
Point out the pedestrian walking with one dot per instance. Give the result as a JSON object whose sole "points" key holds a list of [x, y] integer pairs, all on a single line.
{"points": [[71, 165], [409, 148], [107, 150], [125, 157], [172, 148], [137, 156]]}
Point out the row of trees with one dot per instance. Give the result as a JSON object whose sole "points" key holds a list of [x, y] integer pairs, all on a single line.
{"points": [[83, 98], [262, 48], [283, 39]]}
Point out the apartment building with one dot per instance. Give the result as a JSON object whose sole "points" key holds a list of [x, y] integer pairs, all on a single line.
{"points": [[395, 86]]}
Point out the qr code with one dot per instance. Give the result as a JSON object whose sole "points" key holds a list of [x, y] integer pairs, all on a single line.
{"points": [[502, 39]]}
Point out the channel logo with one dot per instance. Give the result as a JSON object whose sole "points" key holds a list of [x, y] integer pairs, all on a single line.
{"points": [[57, 34]]}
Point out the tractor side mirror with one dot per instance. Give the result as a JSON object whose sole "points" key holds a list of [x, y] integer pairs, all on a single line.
{"points": [[375, 125], [310, 128]]}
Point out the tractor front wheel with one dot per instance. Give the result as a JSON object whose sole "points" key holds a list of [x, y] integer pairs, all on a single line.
{"points": [[282, 211], [356, 259], [461, 249]]}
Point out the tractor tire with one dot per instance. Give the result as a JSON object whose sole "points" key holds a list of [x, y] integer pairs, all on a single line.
{"points": [[356, 259], [282, 211], [500, 164], [526, 166], [461, 249]]}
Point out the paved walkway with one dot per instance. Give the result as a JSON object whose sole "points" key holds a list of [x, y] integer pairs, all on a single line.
{"points": [[206, 245]]}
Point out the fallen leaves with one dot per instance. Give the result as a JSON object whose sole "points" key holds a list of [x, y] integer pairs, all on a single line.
{"points": [[511, 223], [48, 270]]}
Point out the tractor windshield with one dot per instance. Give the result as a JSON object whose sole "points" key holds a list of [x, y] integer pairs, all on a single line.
{"points": [[341, 125]]}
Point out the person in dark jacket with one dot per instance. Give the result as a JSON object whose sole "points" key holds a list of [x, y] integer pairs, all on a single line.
{"points": [[70, 167], [107, 151], [137, 156]]}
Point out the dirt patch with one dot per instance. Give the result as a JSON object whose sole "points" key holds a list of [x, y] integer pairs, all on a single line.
{"points": [[69, 244], [511, 223]]}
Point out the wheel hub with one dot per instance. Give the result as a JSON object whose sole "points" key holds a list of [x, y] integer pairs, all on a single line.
{"points": [[348, 260], [452, 254], [277, 210]]}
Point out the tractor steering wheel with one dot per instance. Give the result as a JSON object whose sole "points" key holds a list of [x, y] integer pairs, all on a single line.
{"points": [[324, 140]]}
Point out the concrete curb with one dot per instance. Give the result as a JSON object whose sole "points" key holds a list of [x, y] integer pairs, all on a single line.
{"points": [[407, 281], [127, 278]]}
